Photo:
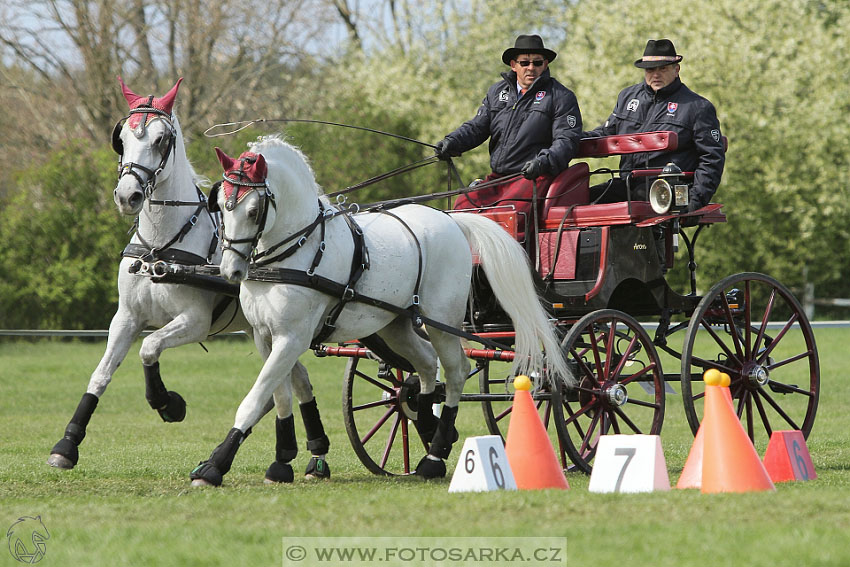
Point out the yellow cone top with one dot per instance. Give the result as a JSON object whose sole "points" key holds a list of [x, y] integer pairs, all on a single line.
{"points": [[522, 383], [714, 377]]}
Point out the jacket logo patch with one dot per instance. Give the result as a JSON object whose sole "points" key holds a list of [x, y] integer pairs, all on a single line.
{"points": [[539, 95], [503, 96], [571, 121], [672, 106], [716, 135], [633, 105]]}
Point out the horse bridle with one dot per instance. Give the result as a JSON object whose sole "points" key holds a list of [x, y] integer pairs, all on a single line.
{"points": [[239, 178], [132, 168], [148, 185]]}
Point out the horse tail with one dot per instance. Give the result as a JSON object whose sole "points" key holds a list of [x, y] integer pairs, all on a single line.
{"points": [[509, 272]]}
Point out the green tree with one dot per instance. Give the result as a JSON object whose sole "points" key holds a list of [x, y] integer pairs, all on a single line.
{"points": [[62, 239]]}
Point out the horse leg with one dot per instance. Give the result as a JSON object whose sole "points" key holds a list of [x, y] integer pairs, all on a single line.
{"points": [[122, 331], [181, 330], [286, 447], [274, 378], [401, 337], [437, 434], [456, 369], [317, 442]]}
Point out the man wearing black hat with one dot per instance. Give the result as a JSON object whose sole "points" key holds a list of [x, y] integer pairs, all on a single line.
{"points": [[532, 120], [663, 102]]}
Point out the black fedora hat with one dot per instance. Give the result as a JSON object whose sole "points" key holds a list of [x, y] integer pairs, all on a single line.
{"points": [[658, 52], [527, 44]]}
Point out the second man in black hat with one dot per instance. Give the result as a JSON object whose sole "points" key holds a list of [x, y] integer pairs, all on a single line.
{"points": [[662, 102]]}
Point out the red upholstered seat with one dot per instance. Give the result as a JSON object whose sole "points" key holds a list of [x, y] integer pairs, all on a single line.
{"points": [[570, 187], [598, 215], [628, 144]]}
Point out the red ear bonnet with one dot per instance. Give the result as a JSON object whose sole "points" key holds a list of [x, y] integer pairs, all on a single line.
{"points": [[165, 103], [249, 167]]}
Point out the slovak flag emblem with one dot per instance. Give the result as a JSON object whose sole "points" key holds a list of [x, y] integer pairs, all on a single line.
{"points": [[539, 95], [672, 106]]}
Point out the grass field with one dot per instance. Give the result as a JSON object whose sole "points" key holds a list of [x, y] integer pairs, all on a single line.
{"points": [[129, 502]]}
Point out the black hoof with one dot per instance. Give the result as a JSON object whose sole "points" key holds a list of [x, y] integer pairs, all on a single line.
{"points": [[429, 468], [279, 472], [317, 468], [175, 411], [64, 454], [206, 474]]}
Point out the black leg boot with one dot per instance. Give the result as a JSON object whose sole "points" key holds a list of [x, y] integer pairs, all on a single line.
{"points": [[433, 465], [426, 421], [285, 450], [170, 405], [218, 465], [64, 454], [317, 442]]}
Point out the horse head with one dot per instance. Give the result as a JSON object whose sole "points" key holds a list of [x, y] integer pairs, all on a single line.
{"points": [[246, 204], [145, 142]]}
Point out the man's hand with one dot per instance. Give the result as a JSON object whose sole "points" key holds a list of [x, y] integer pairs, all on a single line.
{"points": [[443, 150], [532, 169]]}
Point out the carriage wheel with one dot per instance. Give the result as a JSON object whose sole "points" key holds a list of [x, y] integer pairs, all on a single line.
{"points": [[498, 387], [620, 383], [752, 328], [379, 408]]}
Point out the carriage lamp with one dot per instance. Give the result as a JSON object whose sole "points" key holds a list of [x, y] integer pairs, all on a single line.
{"points": [[668, 192]]}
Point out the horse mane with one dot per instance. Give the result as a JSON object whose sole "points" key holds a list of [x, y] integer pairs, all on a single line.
{"points": [[290, 158], [180, 145]]}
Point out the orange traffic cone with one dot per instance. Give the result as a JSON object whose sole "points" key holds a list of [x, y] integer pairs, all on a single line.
{"points": [[529, 450], [787, 457], [691, 476], [730, 462], [692, 473]]}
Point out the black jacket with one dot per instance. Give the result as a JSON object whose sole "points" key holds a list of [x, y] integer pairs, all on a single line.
{"points": [[545, 123], [676, 108]]}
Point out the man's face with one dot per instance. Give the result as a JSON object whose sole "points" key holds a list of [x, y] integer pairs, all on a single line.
{"points": [[659, 77], [527, 74]]}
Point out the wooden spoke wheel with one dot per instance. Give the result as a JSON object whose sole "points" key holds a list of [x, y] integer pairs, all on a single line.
{"points": [[379, 408], [620, 384], [497, 402], [752, 328]]}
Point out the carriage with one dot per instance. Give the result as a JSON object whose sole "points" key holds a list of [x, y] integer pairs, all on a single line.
{"points": [[600, 271]]}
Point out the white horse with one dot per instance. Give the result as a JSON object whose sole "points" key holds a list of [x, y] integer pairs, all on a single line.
{"points": [[312, 273], [157, 184]]}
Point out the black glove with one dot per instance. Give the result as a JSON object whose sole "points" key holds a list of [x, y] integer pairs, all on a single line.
{"points": [[694, 204], [532, 169], [443, 150]]}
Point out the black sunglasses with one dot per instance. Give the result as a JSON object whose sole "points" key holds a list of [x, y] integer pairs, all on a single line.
{"points": [[537, 62]]}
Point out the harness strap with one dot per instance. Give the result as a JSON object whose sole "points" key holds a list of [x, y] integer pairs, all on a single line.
{"points": [[261, 259], [359, 263], [144, 252], [330, 287], [184, 230]]}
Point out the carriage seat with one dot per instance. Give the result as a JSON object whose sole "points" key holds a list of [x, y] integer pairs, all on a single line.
{"points": [[570, 187], [628, 144]]}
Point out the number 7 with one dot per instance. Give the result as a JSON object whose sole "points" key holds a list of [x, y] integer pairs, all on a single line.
{"points": [[629, 453]]}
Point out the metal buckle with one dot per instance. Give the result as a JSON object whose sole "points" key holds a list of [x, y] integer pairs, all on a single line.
{"points": [[348, 294], [416, 299]]}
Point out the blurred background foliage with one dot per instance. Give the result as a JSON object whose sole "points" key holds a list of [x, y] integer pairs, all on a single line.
{"points": [[776, 72]]}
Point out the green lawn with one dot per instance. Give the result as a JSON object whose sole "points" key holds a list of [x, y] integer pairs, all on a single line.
{"points": [[129, 502]]}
